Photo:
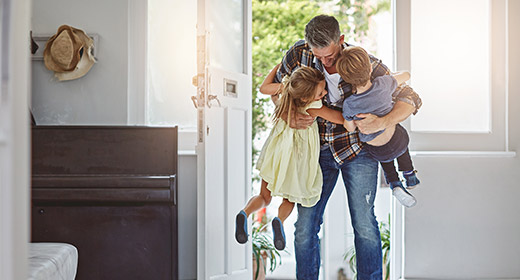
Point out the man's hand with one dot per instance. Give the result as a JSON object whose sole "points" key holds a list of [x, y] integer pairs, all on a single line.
{"points": [[301, 121], [370, 123]]}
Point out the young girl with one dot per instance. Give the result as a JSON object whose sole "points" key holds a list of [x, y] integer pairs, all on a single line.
{"points": [[375, 97], [288, 162]]}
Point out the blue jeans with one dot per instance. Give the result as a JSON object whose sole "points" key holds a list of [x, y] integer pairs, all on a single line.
{"points": [[360, 177]]}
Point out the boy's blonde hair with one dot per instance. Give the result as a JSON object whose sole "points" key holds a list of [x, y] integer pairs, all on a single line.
{"points": [[298, 91], [354, 66]]}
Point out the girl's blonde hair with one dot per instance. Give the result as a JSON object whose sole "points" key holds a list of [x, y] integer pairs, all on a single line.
{"points": [[354, 66], [298, 91]]}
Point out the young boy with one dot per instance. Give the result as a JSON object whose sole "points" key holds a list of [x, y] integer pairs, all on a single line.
{"points": [[375, 97]]}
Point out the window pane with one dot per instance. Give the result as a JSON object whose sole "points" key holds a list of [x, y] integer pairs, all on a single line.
{"points": [[172, 62], [226, 39], [450, 64]]}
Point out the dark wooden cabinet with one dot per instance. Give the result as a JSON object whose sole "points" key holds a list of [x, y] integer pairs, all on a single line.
{"points": [[111, 192]]}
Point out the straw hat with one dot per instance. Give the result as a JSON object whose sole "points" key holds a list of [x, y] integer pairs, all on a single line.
{"points": [[69, 53]]}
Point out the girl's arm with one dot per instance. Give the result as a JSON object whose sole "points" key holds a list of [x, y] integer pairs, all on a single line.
{"points": [[268, 86], [350, 126], [401, 77], [328, 114]]}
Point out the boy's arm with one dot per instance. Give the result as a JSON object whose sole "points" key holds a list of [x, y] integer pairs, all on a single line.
{"points": [[327, 113], [269, 86], [350, 126], [401, 77]]}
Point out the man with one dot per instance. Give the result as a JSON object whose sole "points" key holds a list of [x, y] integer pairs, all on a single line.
{"points": [[341, 151]]}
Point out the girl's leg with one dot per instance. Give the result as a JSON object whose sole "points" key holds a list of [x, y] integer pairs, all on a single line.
{"points": [[259, 201], [285, 209]]}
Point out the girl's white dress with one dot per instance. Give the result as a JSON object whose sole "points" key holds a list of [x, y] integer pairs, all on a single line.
{"points": [[289, 163]]}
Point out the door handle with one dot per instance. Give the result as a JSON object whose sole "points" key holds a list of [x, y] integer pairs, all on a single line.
{"points": [[194, 100], [212, 97]]}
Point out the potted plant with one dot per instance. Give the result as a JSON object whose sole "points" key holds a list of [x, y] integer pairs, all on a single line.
{"points": [[263, 249], [384, 229]]}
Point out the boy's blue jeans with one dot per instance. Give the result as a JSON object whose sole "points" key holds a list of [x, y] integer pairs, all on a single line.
{"points": [[360, 177]]}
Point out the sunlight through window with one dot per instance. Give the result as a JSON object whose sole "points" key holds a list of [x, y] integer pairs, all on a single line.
{"points": [[450, 65]]}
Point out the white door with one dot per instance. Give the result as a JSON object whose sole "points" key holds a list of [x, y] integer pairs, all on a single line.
{"points": [[14, 138], [463, 139], [224, 136]]}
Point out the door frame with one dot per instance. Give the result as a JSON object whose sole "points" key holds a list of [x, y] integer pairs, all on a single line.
{"points": [[14, 139]]}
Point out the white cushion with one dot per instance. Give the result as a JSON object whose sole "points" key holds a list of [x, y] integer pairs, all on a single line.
{"points": [[52, 261]]}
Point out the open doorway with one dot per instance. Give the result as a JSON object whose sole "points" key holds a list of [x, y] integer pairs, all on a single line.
{"points": [[371, 31]]}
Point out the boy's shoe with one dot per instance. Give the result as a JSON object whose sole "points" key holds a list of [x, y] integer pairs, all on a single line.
{"points": [[411, 180], [278, 234], [241, 227], [402, 195]]}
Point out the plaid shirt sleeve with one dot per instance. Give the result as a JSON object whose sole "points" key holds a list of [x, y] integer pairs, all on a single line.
{"points": [[293, 59], [403, 93]]}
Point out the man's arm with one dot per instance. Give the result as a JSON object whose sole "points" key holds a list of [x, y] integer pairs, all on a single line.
{"points": [[290, 61], [403, 111], [372, 123]]}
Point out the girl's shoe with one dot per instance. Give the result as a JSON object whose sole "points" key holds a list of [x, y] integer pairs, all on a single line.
{"points": [[402, 195], [411, 180], [278, 234], [241, 227]]}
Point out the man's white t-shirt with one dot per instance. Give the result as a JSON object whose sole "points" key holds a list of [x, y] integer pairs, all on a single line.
{"points": [[332, 86]]}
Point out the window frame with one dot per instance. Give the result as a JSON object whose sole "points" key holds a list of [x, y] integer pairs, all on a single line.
{"points": [[496, 138]]}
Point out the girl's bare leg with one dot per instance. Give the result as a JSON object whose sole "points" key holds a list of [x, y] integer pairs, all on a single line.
{"points": [[285, 209], [259, 201]]}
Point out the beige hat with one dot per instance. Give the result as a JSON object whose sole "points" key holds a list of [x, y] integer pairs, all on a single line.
{"points": [[69, 53]]}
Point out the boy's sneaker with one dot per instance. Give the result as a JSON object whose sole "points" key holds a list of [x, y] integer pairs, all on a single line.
{"points": [[402, 195], [241, 227], [411, 180], [278, 234]]}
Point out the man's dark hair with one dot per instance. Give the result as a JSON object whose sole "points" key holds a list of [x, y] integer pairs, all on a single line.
{"points": [[321, 31]]}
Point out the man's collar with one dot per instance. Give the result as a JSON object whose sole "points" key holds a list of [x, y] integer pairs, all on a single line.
{"points": [[318, 64]]}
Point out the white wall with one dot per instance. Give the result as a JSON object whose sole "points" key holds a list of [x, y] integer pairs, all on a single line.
{"points": [[100, 97], [187, 220], [187, 206], [107, 94], [466, 224]]}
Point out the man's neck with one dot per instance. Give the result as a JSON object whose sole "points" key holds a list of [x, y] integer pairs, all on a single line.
{"points": [[331, 70]]}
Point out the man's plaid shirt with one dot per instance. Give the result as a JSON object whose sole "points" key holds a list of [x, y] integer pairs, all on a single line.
{"points": [[344, 145]]}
